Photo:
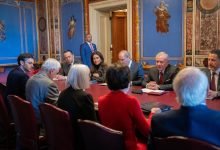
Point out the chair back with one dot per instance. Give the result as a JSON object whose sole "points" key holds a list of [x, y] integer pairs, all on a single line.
{"points": [[2, 89], [4, 116], [98, 137], [7, 131], [25, 122], [181, 143], [58, 127]]}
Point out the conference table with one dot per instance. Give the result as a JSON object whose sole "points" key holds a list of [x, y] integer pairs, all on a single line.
{"points": [[169, 98]]}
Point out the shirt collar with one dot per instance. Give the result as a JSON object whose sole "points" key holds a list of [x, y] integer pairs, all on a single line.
{"points": [[217, 71], [129, 65]]}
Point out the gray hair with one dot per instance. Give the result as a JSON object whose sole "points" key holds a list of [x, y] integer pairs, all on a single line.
{"points": [[163, 54], [78, 76], [50, 64], [191, 86], [125, 53]]}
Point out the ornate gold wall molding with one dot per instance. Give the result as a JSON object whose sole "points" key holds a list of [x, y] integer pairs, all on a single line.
{"points": [[202, 32], [86, 17], [42, 30], [135, 30]]}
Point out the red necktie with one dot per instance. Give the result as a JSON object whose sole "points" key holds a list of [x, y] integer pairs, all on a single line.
{"points": [[212, 84], [161, 78]]}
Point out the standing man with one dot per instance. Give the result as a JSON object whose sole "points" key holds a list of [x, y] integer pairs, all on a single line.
{"points": [[136, 70], [161, 77], [212, 72], [17, 78], [41, 88], [86, 50]]}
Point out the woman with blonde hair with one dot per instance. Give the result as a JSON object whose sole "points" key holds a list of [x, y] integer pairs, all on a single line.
{"points": [[76, 101]]}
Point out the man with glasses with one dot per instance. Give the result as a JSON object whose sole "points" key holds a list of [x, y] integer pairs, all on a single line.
{"points": [[41, 88], [161, 76], [18, 76], [136, 70]]}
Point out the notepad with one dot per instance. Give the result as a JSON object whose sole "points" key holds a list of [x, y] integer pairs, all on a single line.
{"points": [[103, 84], [146, 107], [154, 92]]}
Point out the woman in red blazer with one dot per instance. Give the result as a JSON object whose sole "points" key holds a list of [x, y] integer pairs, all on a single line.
{"points": [[119, 111]]}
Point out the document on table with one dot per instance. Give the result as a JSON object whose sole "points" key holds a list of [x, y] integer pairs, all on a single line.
{"points": [[103, 84], [154, 92]]}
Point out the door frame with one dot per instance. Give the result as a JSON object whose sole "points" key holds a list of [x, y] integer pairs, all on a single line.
{"points": [[95, 17]]}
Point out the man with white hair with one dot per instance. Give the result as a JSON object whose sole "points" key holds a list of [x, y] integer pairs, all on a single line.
{"points": [[161, 76], [136, 70], [193, 119], [40, 88]]}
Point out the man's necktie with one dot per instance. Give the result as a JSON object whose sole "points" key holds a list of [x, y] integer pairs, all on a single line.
{"points": [[161, 78], [212, 84], [91, 47]]}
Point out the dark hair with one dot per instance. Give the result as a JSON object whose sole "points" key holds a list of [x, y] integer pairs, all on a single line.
{"points": [[100, 55], [216, 52], [24, 56], [67, 51], [117, 77]]}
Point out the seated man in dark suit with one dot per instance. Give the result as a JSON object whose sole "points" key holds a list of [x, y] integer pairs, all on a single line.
{"points": [[66, 65], [212, 73], [161, 76], [193, 119], [17, 77], [136, 70], [68, 62]]}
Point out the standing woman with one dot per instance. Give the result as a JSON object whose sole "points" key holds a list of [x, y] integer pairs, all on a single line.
{"points": [[98, 68], [76, 101]]}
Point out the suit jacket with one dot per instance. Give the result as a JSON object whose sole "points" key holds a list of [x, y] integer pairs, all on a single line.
{"points": [[208, 74], [65, 69], [86, 52], [169, 74], [80, 105], [137, 73], [40, 89], [197, 122], [101, 70], [15, 85], [122, 112]]}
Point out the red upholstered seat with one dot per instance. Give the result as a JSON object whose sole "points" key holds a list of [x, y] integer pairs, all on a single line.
{"points": [[58, 127], [141, 146], [7, 130], [98, 137], [181, 143], [26, 125]]}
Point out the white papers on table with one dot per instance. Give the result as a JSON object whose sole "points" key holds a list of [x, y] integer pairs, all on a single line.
{"points": [[103, 84], [154, 92]]}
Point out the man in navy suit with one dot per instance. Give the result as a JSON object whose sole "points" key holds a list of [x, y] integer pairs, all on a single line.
{"points": [[17, 77], [86, 50], [136, 70], [193, 119]]}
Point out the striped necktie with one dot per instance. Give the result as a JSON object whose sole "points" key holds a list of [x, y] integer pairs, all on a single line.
{"points": [[91, 47]]}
